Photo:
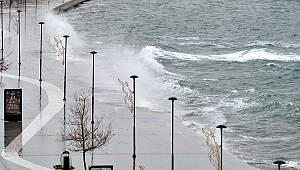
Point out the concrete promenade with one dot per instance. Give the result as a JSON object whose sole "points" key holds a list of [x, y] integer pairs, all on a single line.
{"points": [[40, 146]]}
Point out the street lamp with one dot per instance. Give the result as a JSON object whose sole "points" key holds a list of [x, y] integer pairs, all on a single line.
{"points": [[9, 18], [25, 6], [19, 32], [279, 163], [2, 35], [65, 78], [25, 14], [221, 127], [134, 154], [172, 132], [41, 50], [93, 100]]}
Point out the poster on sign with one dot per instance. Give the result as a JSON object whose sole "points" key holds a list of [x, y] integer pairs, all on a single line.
{"points": [[13, 105], [101, 167]]}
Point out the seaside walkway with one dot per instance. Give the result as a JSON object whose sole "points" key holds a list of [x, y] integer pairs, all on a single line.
{"points": [[54, 105], [40, 147]]}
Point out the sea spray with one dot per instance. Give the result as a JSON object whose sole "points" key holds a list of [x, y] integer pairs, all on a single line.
{"points": [[56, 28]]}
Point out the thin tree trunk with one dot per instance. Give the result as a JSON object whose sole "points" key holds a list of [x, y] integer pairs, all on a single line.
{"points": [[83, 141], [84, 161]]}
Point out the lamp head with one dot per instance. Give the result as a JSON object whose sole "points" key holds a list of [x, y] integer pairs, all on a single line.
{"points": [[279, 162], [41, 23], [134, 76], [221, 126], [66, 36], [19, 11], [93, 52], [172, 98]]}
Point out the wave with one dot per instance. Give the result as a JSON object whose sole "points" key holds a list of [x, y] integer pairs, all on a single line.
{"points": [[210, 79], [273, 65], [266, 44], [292, 164], [186, 38], [202, 44], [241, 56], [266, 139], [215, 43]]}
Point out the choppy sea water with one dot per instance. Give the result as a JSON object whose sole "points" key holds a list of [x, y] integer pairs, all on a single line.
{"points": [[231, 62]]}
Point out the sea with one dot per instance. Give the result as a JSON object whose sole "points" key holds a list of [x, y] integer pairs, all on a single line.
{"points": [[231, 62]]}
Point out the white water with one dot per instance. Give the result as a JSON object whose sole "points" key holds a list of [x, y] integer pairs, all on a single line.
{"points": [[240, 56]]}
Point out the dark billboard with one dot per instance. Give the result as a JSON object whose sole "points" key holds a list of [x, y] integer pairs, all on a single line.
{"points": [[13, 105]]}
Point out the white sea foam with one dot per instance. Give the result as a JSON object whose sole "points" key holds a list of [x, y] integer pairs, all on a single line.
{"points": [[251, 90], [240, 56], [271, 64], [234, 91], [267, 139], [292, 164], [201, 44], [210, 79], [256, 54], [187, 38], [275, 44]]}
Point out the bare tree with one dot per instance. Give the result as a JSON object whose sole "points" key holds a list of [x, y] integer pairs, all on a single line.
{"points": [[4, 64], [78, 132], [214, 154]]}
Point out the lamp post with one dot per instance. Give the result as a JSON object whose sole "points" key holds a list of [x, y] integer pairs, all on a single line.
{"points": [[25, 6], [2, 35], [9, 18], [19, 32], [41, 50], [172, 131], [25, 16], [279, 163], [93, 100], [41, 63], [134, 148], [65, 77], [221, 127]]}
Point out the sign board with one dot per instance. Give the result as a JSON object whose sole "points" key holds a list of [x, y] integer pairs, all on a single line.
{"points": [[13, 105], [101, 167], [11, 131]]}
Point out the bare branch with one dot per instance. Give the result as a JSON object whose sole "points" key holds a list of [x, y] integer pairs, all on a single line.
{"points": [[128, 99], [214, 156]]}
